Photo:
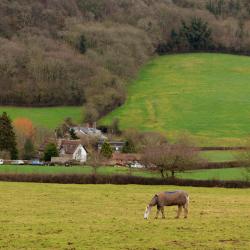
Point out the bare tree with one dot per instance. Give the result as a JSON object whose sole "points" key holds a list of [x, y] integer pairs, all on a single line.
{"points": [[171, 157], [142, 140], [96, 160]]}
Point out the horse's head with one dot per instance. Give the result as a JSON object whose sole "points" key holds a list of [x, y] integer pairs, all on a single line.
{"points": [[147, 211], [153, 202]]}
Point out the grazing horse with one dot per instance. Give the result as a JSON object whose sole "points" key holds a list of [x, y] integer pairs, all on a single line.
{"points": [[174, 198]]}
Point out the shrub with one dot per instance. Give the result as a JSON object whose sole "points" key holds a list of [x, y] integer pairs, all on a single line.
{"points": [[118, 180], [106, 150], [50, 151], [29, 151], [128, 147], [82, 44]]}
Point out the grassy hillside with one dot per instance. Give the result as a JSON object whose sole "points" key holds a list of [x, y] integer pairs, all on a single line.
{"points": [[45, 117], [207, 174], [84, 52], [221, 156], [51, 216], [206, 95]]}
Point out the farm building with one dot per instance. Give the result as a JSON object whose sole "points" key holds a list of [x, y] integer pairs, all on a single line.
{"points": [[71, 150]]}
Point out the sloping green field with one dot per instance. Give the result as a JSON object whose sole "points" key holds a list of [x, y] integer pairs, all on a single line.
{"points": [[45, 117], [56, 216], [205, 95]]}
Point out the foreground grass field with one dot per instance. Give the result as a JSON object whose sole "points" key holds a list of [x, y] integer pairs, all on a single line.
{"points": [[51, 216], [208, 174], [45, 117], [206, 95]]}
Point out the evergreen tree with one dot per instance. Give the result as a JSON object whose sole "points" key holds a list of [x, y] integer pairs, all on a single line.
{"points": [[193, 35], [50, 151], [106, 150], [29, 150], [7, 136], [82, 44], [196, 34], [128, 147], [73, 135]]}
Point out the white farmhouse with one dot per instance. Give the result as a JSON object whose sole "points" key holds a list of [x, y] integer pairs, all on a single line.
{"points": [[71, 150]]}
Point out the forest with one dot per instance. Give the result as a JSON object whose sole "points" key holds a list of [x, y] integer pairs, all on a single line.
{"points": [[85, 52]]}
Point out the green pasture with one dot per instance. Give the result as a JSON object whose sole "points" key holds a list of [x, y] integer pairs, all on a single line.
{"points": [[207, 174], [56, 216], [221, 155], [204, 95], [49, 117], [217, 174]]}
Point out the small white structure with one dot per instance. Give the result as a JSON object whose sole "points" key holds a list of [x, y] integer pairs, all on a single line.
{"points": [[71, 150]]}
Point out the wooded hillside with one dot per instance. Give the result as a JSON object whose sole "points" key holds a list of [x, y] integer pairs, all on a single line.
{"points": [[75, 52]]}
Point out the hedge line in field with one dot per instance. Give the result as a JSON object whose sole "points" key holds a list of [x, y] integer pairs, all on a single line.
{"points": [[118, 179]]}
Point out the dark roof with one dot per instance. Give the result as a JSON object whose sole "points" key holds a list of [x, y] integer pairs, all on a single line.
{"points": [[113, 143], [69, 146]]}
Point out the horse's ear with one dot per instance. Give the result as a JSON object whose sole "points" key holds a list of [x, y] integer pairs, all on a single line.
{"points": [[156, 195]]}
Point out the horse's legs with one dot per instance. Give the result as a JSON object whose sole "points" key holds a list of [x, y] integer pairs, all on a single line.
{"points": [[158, 211], [162, 212], [185, 210], [179, 212]]}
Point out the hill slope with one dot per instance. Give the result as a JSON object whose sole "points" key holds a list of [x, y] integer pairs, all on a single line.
{"points": [[83, 52], [206, 95]]}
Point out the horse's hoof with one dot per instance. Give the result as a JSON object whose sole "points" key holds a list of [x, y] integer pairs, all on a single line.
{"points": [[176, 217], [156, 218]]}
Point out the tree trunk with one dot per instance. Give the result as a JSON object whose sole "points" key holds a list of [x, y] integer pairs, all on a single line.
{"points": [[162, 173], [172, 174]]}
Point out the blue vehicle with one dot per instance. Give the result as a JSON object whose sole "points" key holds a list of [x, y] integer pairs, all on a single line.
{"points": [[37, 163]]}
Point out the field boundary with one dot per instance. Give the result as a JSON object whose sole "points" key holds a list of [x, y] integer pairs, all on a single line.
{"points": [[118, 180], [221, 148]]}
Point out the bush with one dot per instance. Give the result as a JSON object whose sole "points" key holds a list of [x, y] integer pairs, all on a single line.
{"points": [[118, 180], [128, 147], [82, 44], [29, 151], [106, 150], [50, 151]]}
